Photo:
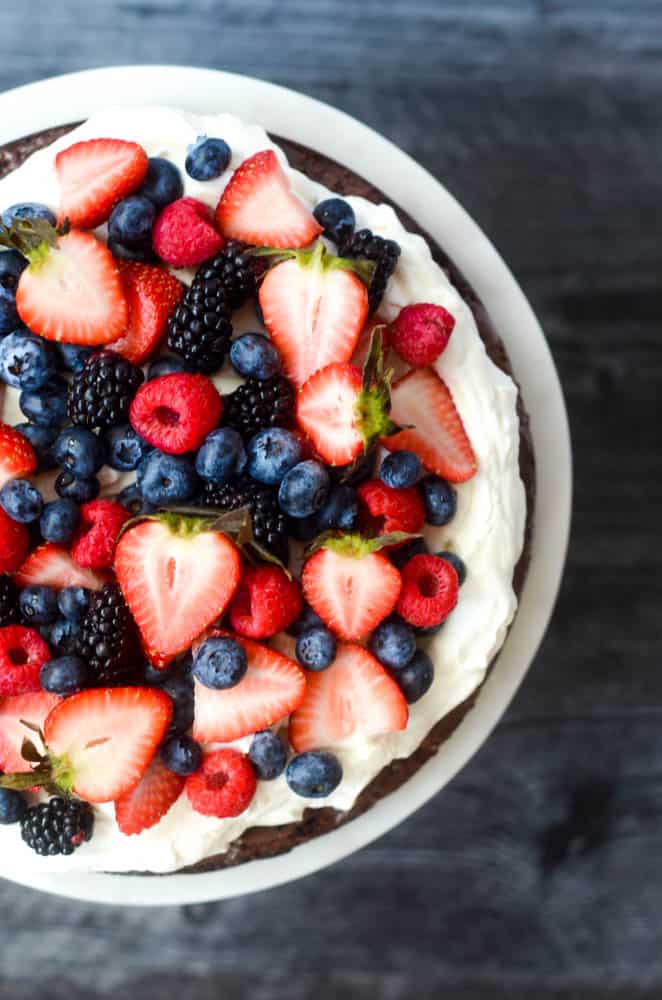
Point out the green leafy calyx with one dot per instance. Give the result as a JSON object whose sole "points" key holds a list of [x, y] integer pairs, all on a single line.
{"points": [[318, 259]]}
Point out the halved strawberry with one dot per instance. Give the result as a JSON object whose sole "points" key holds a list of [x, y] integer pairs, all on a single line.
{"points": [[32, 708], [105, 738], [272, 687], [350, 585], [177, 578], [353, 697], [362, 349], [151, 294], [258, 206], [421, 403], [17, 456], [94, 175], [71, 291], [52, 566], [150, 800], [314, 308]]}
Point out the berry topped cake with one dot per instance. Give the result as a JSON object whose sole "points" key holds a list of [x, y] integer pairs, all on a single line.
{"points": [[262, 496]]}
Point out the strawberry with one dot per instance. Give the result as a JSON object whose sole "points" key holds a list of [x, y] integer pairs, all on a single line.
{"points": [[423, 405], [14, 711], [104, 739], [17, 456], [150, 800], [71, 291], [267, 601], [184, 236], [429, 590], [100, 523], [314, 308], [176, 412], [94, 175], [420, 333], [362, 349], [353, 697], [387, 509], [14, 543], [224, 786], [52, 566], [177, 577], [351, 585], [23, 653], [258, 206], [272, 687], [151, 294]]}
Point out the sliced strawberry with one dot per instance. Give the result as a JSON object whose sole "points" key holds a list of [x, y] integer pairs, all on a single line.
{"points": [[17, 456], [257, 206], [326, 412], [94, 175], [32, 708], [385, 509], [272, 687], [422, 403], [14, 543], [176, 581], [72, 292], [151, 294], [108, 737], [365, 339], [52, 566], [353, 697], [314, 311], [150, 800], [351, 588]]}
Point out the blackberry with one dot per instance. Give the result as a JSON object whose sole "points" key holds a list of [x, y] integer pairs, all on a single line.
{"points": [[365, 245], [237, 272], [9, 614], [256, 405], [199, 329], [269, 521], [100, 395], [107, 639], [58, 826]]}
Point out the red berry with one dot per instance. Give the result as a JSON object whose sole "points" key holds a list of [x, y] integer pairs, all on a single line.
{"points": [[386, 509], [267, 601], [52, 566], [175, 413], [96, 537], [22, 655], [184, 235], [224, 785], [421, 332], [151, 295], [429, 591], [17, 456], [94, 175], [14, 543], [14, 713], [150, 800]]}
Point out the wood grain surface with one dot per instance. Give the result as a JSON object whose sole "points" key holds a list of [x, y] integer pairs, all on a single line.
{"points": [[537, 873]]}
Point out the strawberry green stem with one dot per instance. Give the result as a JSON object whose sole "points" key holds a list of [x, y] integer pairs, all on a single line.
{"points": [[319, 259]]}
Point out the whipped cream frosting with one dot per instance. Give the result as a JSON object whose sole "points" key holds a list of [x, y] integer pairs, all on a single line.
{"points": [[487, 531]]}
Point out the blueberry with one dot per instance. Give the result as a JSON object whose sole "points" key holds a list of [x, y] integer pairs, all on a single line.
{"points": [[9, 318], [41, 439], [12, 265], [181, 755], [457, 564], [28, 210], [219, 663], [314, 774], [73, 602], [336, 217], [440, 500], [400, 469], [166, 366], [68, 487], [180, 689], [307, 619], [46, 406], [207, 159], [79, 451], [131, 221], [222, 456], [403, 553], [38, 604], [271, 453], [21, 500], [304, 489], [163, 182], [58, 521], [316, 649], [74, 357], [339, 511], [64, 675], [415, 679], [268, 755], [357, 472], [254, 356], [143, 253], [166, 479], [62, 635], [393, 643], [26, 362], [125, 449], [13, 806], [133, 500]]}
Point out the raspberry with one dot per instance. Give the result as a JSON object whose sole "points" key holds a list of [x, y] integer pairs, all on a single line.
{"points": [[266, 602], [176, 412], [100, 523], [386, 509], [22, 655], [421, 333], [224, 785], [183, 234], [429, 591], [14, 543]]}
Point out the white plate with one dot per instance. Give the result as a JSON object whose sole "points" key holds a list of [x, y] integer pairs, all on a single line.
{"points": [[75, 96]]}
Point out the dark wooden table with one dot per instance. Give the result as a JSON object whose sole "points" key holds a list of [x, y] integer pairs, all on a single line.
{"points": [[537, 873]]}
